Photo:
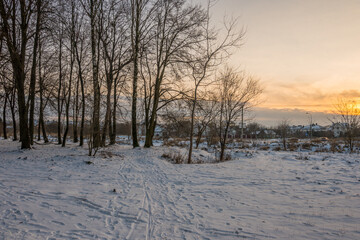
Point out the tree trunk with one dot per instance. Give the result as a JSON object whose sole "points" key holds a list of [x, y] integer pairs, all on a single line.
{"points": [[17, 57], [72, 59], [33, 72], [95, 75], [39, 130], [135, 42], [68, 101], [41, 110], [134, 108], [82, 124], [76, 113], [4, 116], [13, 115], [199, 136], [24, 129], [107, 121], [152, 123], [59, 97], [113, 130], [223, 142], [242, 124], [192, 130], [82, 88], [284, 143], [222, 151]]}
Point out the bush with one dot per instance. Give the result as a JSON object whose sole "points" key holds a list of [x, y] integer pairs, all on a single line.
{"points": [[292, 147], [227, 157], [174, 142], [302, 157], [293, 140], [278, 148], [175, 157], [335, 146], [265, 148], [306, 146]]}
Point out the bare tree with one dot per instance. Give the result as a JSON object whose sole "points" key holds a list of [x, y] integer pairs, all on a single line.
{"points": [[80, 56], [116, 56], [60, 92], [15, 17], [93, 13], [41, 127], [347, 113], [139, 23], [13, 112], [212, 52], [39, 10], [6, 87], [5, 99], [71, 39], [235, 91], [284, 130], [176, 31], [207, 111]]}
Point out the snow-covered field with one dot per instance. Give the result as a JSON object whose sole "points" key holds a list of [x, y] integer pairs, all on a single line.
{"points": [[55, 193]]}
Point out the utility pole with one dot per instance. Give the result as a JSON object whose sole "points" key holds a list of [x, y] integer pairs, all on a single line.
{"points": [[242, 124], [310, 124]]}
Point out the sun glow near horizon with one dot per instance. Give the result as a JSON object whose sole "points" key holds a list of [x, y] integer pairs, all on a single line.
{"points": [[307, 53]]}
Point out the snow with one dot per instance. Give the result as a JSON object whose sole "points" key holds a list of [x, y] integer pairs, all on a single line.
{"points": [[59, 193]]}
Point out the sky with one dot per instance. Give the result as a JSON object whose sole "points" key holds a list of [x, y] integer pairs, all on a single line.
{"points": [[305, 52]]}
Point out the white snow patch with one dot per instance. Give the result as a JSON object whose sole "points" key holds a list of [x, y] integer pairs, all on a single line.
{"points": [[52, 193]]}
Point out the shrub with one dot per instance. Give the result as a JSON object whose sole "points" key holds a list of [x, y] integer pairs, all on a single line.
{"points": [[227, 157], [293, 140], [265, 148], [174, 142], [278, 148], [292, 147], [306, 146], [335, 146], [302, 157], [174, 157]]}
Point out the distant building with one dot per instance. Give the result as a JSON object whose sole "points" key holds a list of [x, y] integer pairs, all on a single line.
{"points": [[266, 133], [338, 129]]}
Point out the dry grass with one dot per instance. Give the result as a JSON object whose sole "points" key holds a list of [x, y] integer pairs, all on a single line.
{"points": [[264, 148], [174, 157], [175, 142]]}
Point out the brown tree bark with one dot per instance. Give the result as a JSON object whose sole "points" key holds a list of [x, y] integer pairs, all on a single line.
{"points": [[13, 114], [33, 71], [136, 18], [95, 74], [41, 127], [17, 57], [4, 115]]}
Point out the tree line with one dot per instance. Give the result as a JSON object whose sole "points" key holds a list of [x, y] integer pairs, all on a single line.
{"points": [[87, 60]]}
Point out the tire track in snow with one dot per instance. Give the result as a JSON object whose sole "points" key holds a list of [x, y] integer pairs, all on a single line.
{"points": [[136, 222], [131, 182], [149, 225]]}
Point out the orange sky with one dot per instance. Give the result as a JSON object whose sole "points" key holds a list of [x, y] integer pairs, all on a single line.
{"points": [[306, 52]]}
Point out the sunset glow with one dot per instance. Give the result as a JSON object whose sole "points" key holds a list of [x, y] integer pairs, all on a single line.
{"points": [[306, 53]]}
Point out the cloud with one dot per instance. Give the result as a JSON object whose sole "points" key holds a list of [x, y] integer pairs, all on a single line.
{"points": [[304, 95], [350, 94], [272, 117]]}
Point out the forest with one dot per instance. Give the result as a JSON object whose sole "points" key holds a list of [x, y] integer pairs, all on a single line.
{"points": [[89, 65]]}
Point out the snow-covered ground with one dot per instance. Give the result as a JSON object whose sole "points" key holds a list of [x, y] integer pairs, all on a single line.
{"points": [[56, 193]]}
